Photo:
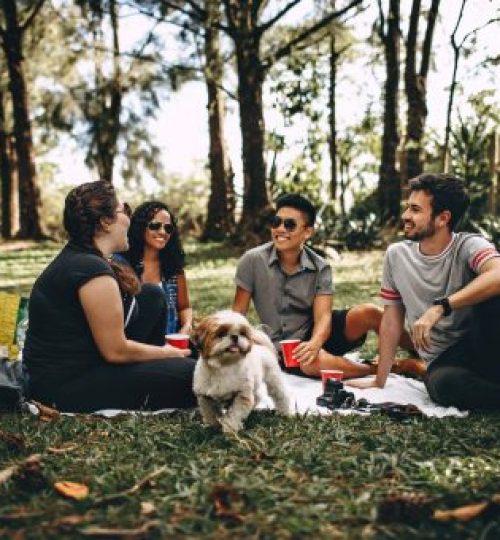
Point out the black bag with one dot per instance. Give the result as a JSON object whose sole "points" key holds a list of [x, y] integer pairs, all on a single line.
{"points": [[12, 382]]}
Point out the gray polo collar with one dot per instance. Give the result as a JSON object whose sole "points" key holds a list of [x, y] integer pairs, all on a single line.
{"points": [[305, 262]]}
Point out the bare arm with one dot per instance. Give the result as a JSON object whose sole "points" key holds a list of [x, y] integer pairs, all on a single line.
{"points": [[307, 351], [183, 305], [241, 301], [102, 304], [391, 329], [484, 286]]}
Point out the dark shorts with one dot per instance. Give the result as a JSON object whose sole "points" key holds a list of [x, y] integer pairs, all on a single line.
{"points": [[337, 344]]}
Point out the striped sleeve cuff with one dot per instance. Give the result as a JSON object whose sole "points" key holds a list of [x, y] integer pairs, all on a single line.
{"points": [[389, 295], [481, 257]]}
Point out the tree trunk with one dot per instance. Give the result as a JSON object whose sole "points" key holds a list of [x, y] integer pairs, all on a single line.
{"points": [[29, 197], [389, 188], [220, 212], [332, 142], [5, 173], [255, 199], [111, 99]]}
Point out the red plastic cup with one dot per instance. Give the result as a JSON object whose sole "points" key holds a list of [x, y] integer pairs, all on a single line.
{"points": [[181, 341], [326, 374], [287, 348]]}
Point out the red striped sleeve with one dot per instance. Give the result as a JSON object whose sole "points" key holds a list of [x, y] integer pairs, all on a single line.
{"points": [[482, 256], [389, 294]]}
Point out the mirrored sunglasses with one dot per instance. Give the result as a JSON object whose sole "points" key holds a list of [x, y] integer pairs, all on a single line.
{"points": [[289, 223], [157, 225]]}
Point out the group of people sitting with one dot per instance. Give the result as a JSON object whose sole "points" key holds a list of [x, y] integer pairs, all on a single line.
{"points": [[99, 313]]}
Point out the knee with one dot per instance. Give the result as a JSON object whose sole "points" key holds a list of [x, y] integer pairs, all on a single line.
{"points": [[445, 385], [151, 295], [366, 315]]}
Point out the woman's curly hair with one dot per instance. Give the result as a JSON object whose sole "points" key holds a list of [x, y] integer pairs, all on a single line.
{"points": [[172, 256], [84, 207]]}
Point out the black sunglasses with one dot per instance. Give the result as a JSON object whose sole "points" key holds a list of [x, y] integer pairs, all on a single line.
{"points": [[289, 223], [157, 225]]}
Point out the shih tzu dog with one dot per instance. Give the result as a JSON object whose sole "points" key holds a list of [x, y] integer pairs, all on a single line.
{"points": [[235, 361]]}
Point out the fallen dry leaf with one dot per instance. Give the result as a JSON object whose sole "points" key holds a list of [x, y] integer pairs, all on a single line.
{"points": [[46, 414], [72, 490], [68, 447], [13, 441], [228, 503], [143, 531], [10, 471], [471, 511], [147, 508]]}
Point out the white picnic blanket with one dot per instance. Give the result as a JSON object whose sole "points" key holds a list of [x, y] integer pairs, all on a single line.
{"points": [[304, 391], [398, 389]]}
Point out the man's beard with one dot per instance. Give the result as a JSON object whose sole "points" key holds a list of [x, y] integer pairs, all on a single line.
{"points": [[419, 235]]}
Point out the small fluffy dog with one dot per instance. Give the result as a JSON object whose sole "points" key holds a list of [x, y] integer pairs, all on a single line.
{"points": [[235, 361]]}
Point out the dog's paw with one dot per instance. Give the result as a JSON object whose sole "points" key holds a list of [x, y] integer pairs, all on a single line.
{"points": [[231, 426]]}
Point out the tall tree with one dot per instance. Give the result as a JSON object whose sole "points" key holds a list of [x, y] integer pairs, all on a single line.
{"points": [[5, 171], [245, 26], [389, 187], [416, 85], [12, 43], [220, 211]]}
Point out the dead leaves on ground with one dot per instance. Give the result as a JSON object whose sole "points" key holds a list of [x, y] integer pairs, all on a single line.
{"points": [[46, 414], [72, 490], [228, 503], [487, 509], [28, 474], [12, 441], [414, 507]]}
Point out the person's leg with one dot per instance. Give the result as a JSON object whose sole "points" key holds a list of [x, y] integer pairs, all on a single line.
{"points": [[485, 338], [148, 326], [362, 318], [460, 387], [151, 385]]}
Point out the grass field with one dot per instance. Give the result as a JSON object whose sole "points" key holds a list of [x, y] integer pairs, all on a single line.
{"points": [[302, 477]]}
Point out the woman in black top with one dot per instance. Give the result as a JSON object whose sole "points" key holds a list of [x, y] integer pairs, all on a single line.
{"points": [[77, 352]]}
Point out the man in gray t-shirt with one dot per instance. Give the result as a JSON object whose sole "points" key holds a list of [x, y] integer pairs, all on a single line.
{"points": [[447, 287], [291, 288]]}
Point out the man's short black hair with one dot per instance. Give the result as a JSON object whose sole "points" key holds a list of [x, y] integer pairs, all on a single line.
{"points": [[447, 193], [294, 200]]}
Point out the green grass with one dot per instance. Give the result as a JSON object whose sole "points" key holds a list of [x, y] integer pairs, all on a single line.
{"points": [[303, 477]]}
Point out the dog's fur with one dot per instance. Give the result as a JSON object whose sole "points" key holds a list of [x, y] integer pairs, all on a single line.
{"points": [[235, 361]]}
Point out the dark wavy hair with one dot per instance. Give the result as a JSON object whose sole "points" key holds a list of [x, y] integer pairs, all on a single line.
{"points": [[447, 193], [84, 207], [172, 256]]}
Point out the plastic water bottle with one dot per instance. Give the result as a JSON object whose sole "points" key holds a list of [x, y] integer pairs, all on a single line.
{"points": [[22, 327]]}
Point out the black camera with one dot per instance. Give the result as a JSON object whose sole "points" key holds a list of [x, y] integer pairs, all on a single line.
{"points": [[335, 396]]}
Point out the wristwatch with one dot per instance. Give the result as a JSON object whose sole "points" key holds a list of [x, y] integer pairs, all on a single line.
{"points": [[445, 303]]}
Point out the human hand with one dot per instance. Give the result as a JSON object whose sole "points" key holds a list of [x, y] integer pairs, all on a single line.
{"points": [[363, 383], [421, 331], [186, 328], [174, 352], [306, 352]]}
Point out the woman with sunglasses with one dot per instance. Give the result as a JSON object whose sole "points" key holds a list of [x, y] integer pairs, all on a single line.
{"points": [[156, 255], [78, 353]]}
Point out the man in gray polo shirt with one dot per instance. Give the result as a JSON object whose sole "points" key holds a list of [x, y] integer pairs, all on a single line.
{"points": [[447, 286], [291, 287]]}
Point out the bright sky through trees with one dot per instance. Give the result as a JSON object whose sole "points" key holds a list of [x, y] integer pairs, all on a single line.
{"points": [[181, 127]]}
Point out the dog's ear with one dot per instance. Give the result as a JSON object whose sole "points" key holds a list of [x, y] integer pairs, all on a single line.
{"points": [[201, 335], [259, 337]]}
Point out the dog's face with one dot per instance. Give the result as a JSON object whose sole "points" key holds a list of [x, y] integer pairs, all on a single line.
{"points": [[226, 335]]}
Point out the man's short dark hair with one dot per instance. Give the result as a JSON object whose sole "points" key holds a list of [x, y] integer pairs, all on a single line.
{"points": [[294, 200], [447, 193]]}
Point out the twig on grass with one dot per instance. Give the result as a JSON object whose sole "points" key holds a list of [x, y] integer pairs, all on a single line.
{"points": [[142, 531], [7, 473], [115, 497]]}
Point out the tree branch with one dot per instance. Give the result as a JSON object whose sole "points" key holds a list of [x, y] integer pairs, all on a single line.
{"points": [[32, 15], [265, 26], [286, 49], [381, 30], [426, 48]]}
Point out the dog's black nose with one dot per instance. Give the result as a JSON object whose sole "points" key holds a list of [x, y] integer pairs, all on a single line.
{"points": [[234, 338]]}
